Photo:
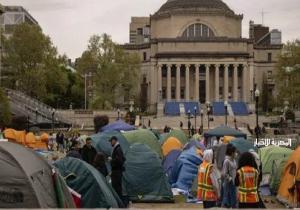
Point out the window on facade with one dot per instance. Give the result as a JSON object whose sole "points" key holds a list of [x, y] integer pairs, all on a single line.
{"points": [[144, 56], [173, 72], [182, 72], [173, 92], [270, 74], [140, 31], [198, 31], [164, 93], [164, 72], [182, 92], [269, 57]]}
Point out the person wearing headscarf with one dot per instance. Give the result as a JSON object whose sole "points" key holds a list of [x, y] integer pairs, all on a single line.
{"points": [[247, 182], [208, 186]]}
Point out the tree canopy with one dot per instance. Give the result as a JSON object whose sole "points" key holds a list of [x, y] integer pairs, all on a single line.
{"points": [[115, 72], [33, 66], [288, 74]]}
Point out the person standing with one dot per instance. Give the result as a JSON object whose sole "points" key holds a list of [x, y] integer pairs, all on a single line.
{"points": [[247, 182], [88, 152], [208, 185], [117, 166], [74, 151], [99, 164], [228, 177]]}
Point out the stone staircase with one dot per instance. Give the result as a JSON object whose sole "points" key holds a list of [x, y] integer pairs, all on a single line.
{"points": [[38, 112]]}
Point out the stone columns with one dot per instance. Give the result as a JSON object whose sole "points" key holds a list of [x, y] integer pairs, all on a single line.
{"points": [[178, 82], [246, 90], [207, 87], [235, 82], [226, 82], [187, 83], [159, 82], [169, 81], [251, 80], [197, 82], [217, 85]]}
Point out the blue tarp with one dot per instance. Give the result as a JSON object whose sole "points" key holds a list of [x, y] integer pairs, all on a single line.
{"points": [[119, 125], [224, 131], [195, 143], [185, 169], [170, 161]]}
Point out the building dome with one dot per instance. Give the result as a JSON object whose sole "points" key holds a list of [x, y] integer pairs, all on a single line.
{"points": [[175, 5]]}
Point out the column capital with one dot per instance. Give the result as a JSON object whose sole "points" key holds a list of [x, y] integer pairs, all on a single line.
{"points": [[197, 65], [207, 65], [169, 66], [236, 65], [178, 65], [160, 65], [217, 65], [245, 65], [226, 65]]}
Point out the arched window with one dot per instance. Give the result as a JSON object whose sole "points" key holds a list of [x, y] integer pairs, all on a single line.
{"points": [[198, 31]]}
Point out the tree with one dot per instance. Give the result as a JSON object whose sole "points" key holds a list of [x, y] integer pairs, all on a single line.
{"points": [[115, 72], [5, 114], [34, 67], [288, 74]]}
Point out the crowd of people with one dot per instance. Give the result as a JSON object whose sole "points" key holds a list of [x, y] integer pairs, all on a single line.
{"points": [[75, 148], [236, 186]]}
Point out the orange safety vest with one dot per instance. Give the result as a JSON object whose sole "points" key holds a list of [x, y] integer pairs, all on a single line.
{"points": [[205, 188], [248, 178]]}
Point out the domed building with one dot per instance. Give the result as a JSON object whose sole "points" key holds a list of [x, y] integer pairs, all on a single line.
{"points": [[193, 51]]}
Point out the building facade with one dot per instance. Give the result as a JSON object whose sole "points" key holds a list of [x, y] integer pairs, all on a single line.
{"points": [[195, 52]]}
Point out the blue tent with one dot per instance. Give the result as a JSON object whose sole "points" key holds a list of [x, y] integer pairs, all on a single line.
{"points": [[195, 143], [169, 161], [101, 142], [119, 125], [185, 169]]}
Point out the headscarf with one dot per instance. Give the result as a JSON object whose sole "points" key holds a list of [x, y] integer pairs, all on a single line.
{"points": [[208, 155], [256, 157]]}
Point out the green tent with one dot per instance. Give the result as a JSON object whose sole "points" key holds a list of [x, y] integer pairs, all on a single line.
{"points": [[179, 134], [224, 131], [269, 155], [144, 179], [277, 171], [102, 144], [89, 183], [242, 145], [143, 136]]}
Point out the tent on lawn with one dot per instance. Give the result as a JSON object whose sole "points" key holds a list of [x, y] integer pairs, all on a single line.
{"points": [[179, 134], [277, 171], [118, 125], [269, 156], [195, 143], [170, 144], [89, 183], [28, 181], [289, 189], [186, 169], [224, 131], [144, 136], [144, 179], [242, 145], [169, 162], [101, 142]]}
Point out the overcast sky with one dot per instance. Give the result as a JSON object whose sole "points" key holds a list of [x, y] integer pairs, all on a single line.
{"points": [[70, 23]]}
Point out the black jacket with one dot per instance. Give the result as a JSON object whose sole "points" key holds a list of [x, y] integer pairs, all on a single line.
{"points": [[88, 154], [117, 159]]}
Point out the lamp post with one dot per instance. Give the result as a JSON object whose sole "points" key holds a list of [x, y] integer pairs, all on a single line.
{"points": [[257, 93], [36, 115], [195, 112], [226, 111], [189, 122], [118, 114], [53, 113], [208, 113], [201, 119]]}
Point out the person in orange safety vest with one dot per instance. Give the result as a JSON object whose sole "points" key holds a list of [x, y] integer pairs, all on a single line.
{"points": [[247, 182], [208, 185]]}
